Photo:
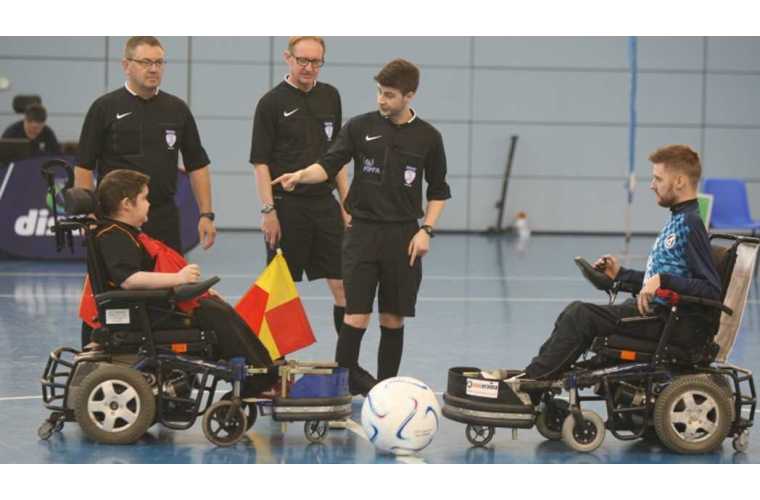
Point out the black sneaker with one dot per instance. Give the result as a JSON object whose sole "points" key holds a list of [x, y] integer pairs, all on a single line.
{"points": [[360, 381]]}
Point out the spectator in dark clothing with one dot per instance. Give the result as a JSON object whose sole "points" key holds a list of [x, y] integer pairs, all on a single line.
{"points": [[33, 127]]}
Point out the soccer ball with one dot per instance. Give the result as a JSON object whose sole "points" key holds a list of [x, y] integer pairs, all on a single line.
{"points": [[400, 415]]}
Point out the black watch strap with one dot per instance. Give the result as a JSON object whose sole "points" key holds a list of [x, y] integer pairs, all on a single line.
{"points": [[209, 215], [428, 229]]}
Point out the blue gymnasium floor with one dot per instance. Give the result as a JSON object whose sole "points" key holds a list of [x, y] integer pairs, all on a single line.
{"points": [[484, 302]]}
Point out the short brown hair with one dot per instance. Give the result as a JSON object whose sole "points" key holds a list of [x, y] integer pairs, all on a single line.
{"points": [[35, 113], [680, 157], [399, 74], [293, 41], [136, 41], [117, 185]]}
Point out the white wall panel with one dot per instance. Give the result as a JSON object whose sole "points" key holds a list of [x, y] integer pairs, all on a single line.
{"points": [[53, 46]]}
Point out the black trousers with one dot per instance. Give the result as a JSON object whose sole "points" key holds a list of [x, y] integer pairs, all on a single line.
{"points": [[580, 323]]}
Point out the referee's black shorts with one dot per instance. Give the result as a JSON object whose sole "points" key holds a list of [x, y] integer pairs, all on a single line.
{"points": [[376, 255], [312, 234]]}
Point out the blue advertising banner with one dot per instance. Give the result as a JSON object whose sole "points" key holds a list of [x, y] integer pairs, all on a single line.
{"points": [[26, 212]]}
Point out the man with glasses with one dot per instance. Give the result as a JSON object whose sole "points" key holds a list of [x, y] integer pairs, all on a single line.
{"points": [[294, 124], [138, 127]]}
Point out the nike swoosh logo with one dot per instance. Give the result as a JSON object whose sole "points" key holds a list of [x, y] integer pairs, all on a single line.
{"points": [[370, 139], [122, 115], [288, 113]]}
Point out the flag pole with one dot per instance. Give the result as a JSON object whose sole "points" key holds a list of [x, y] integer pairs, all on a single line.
{"points": [[632, 121]]}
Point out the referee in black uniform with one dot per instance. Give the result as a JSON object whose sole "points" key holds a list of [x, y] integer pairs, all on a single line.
{"points": [[293, 126], [138, 127], [393, 150]]}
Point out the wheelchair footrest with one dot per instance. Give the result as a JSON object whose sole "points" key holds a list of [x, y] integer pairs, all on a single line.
{"points": [[299, 409], [468, 411], [473, 399]]}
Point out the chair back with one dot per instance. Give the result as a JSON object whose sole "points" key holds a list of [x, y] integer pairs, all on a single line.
{"points": [[736, 280]]}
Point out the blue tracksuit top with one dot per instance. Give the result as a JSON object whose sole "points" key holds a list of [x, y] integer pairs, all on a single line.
{"points": [[681, 255]]}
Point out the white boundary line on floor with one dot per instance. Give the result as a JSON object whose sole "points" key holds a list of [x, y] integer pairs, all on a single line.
{"points": [[42, 274], [514, 300]]}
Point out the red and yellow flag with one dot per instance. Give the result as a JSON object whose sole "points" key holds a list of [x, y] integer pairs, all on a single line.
{"points": [[273, 310]]}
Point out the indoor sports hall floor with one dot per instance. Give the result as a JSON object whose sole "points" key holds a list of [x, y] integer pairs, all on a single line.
{"points": [[484, 302]]}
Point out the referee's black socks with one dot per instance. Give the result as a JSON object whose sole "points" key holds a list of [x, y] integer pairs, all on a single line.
{"points": [[338, 313], [349, 344], [389, 353]]}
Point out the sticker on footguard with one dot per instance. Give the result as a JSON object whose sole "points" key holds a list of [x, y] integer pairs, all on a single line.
{"points": [[482, 388], [117, 316]]}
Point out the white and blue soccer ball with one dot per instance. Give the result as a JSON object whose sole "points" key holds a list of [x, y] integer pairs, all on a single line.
{"points": [[401, 415]]}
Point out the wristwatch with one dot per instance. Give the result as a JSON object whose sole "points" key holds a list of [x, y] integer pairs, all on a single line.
{"points": [[428, 229], [209, 215], [267, 208]]}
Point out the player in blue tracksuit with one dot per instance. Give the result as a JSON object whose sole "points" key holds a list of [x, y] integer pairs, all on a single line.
{"points": [[680, 260]]}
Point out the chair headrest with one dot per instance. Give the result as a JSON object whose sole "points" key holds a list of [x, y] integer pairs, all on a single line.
{"points": [[79, 201]]}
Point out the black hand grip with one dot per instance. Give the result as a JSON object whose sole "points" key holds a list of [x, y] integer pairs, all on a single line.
{"points": [[597, 278]]}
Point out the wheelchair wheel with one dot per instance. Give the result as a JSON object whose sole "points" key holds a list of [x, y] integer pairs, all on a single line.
{"points": [[45, 430], [585, 437], [550, 419], [727, 385], [224, 423], [315, 430], [692, 415], [741, 442], [251, 414], [479, 435], [116, 405]]}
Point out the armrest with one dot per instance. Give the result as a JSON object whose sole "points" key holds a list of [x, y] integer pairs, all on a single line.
{"points": [[133, 295], [180, 293], [674, 298], [635, 320], [192, 290]]}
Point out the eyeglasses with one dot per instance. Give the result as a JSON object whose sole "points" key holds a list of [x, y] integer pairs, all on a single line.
{"points": [[147, 63], [303, 62]]}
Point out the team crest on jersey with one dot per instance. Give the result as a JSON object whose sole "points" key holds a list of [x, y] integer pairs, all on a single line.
{"points": [[328, 130], [171, 139], [409, 175], [670, 241]]}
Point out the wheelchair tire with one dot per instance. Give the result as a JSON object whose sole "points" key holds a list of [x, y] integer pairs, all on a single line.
{"points": [[315, 431], [224, 423], [45, 430], [116, 405], [479, 435], [251, 414], [692, 415], [727, 385], [550, 419], [741, 442], [586, 437]]}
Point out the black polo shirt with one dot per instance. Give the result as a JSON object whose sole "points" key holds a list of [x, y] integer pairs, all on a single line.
{"points": [[389, 163], [120, 251], [44, 144], [123, 130], [292, 129]]}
